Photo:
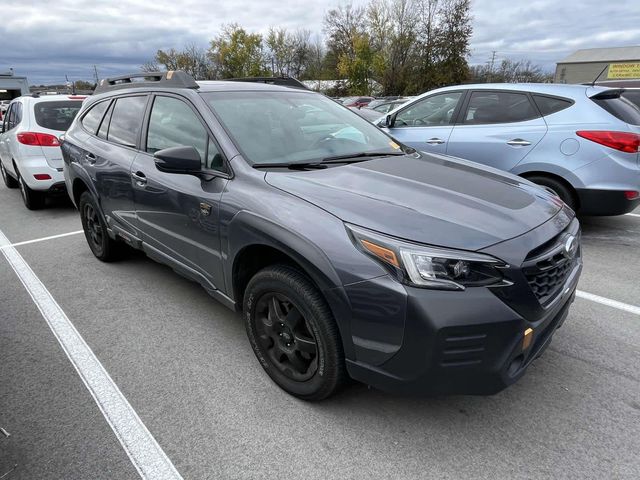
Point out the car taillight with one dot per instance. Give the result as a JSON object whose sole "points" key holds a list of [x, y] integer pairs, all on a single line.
{"points": [[624, 141], [38, 139], [42, 176], [631, 194]]}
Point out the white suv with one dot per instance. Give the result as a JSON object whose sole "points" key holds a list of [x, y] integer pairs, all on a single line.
{"points": [[30, 154]]}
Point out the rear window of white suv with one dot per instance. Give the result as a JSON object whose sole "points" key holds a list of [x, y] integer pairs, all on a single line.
{"points": [[56, 115]]}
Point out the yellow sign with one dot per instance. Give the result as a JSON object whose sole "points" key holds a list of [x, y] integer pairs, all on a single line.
{"points": [[624, 70]]}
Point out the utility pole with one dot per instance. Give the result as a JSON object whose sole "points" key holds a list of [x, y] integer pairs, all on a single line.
{"points": [[95, 74], [493, 59]]}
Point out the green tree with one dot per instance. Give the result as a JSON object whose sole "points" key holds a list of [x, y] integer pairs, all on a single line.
{"points": [[358, 65], [237, 53]]}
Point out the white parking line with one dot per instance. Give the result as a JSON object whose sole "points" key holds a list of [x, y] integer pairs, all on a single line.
{"points": [[144, 452], [608, 302], [26, 242], [633, 214]]}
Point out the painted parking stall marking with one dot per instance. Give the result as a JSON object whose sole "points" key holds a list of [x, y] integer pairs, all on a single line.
{"points": [[36, 240], [608, 302], [144, 452]]}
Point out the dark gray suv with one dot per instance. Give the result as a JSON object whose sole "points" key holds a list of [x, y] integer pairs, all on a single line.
{"points": [[348, 254]]}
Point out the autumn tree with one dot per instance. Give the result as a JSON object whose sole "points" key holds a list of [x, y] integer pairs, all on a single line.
{"points": [[191, 59], [237, 53]]}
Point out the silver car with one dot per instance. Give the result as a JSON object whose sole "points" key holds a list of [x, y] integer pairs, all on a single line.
{"points": [[580, 142]]}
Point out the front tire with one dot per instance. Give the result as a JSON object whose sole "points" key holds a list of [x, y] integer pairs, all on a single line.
{"points": [[32, 199], [95, 230], [9, 181], [293, 333]]}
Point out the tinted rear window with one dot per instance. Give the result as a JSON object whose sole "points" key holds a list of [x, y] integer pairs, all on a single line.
{"points": [[633, 96], [499, 107], [620, 107], [56, 115], [549, 105], [126, 120]]}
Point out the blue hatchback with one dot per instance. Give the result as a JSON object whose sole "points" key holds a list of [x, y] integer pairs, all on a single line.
{"points": [[580, 142]]}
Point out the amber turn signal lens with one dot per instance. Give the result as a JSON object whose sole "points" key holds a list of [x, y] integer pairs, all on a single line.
{"points": [[382, 253], [528, 338]]}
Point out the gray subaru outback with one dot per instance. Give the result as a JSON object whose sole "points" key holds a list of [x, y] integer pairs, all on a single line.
{"points": [[348, 254]]}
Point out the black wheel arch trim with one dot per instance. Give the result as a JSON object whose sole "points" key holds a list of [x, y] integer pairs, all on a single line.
{"points": [[248, 229]]}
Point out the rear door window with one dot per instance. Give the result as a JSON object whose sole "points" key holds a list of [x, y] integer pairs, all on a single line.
{"points": [[126, 120], [499, 107], [92, 118], [619, 107], [56, 115], [549, 105]]}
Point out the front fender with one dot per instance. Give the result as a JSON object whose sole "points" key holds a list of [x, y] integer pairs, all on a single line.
{"points": [[249, 229]]}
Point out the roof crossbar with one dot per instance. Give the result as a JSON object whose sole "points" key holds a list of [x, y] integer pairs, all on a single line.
{"points": [[170, 79]]}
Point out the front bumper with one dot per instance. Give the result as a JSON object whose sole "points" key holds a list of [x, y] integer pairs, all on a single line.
{"points": [[457, 342]]}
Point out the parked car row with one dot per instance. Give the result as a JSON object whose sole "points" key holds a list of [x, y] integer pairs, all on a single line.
{"points": [[351, 249]]}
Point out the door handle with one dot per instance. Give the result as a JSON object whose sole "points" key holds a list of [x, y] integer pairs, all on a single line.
{"points": [[435, 141], [90, 157], [518, 142], [140, 178]]}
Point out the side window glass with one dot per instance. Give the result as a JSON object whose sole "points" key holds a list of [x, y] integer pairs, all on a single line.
{"points": [[104, 125], [214, 157], [431, 111], [91, 119], [126, 120], [173, 123], [549, 105], [499, 107], [7, 118], [18, 114]]}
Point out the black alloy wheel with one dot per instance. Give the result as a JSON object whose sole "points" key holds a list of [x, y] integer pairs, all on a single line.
{"points": [[95, 230], [293, 333], [285, 336]]}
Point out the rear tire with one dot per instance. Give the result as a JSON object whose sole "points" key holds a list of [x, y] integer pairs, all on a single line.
{"points": [[32, 199], [557, 188], [95, 230], [293, 333], [9, 181]]}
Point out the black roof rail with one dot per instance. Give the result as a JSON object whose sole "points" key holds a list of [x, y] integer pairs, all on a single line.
{"points": [[282, 81], [172, 79]]}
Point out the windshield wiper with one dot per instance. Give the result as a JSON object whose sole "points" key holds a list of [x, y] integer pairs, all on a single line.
{"points": [[349, 158], [359, 157], [291, 166]]}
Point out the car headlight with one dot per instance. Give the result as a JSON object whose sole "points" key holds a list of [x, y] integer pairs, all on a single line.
{"points": [[430, 267]]}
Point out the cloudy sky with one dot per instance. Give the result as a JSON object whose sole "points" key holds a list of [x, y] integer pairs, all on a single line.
{"points": [[46, 39]]}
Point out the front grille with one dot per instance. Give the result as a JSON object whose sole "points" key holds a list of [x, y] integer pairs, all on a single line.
{"points": [[547, 271]]}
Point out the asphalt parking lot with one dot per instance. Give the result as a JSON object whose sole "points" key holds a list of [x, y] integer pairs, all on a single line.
{"points": [[184, 364]]}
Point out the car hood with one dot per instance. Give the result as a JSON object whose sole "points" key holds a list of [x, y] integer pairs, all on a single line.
{"points": [[429, 199]]}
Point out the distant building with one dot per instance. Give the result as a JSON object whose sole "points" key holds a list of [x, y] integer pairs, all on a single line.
{"points": [[618, 63]]}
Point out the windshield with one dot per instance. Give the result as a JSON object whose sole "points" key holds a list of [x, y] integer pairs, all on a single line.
{"points": [[291, 127], [56, 115]]}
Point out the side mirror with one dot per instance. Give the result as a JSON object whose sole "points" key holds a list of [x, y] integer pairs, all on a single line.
{"points": [[387, 122], [178, 160]]}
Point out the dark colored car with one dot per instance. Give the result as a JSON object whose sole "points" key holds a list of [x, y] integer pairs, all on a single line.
{"points": [[348, 255], [357, 101]]}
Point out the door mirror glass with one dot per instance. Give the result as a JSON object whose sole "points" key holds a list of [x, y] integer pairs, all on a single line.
{"points": [[178, 160], [386, 122]]}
